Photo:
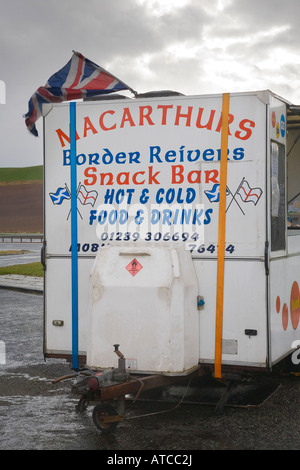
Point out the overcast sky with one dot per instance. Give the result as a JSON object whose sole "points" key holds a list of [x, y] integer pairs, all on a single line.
{"points": [[191, 46]]}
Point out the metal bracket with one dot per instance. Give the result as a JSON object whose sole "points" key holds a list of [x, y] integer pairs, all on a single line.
{"points": [[200, 302]]}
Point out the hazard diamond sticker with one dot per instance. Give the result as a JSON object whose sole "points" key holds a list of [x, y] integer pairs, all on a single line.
{"points": [[134, 267]]}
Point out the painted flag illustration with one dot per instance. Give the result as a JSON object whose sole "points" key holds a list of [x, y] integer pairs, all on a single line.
{"points": [[79, 78], [214, 193], [60, 195], [86, 197], [248, 194]]}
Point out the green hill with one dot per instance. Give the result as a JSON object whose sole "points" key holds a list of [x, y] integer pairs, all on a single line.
{"points": [[30, 173]]}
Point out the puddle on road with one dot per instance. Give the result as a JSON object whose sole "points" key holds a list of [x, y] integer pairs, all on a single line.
{"points": [[39, 422]]}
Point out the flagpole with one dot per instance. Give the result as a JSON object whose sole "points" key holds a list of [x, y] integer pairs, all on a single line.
{"points": [[74, 262], [233, 199]]}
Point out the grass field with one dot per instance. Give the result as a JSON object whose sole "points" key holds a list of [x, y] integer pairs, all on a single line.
{"points": [[22, 211], [30, 269], [31, 173]]}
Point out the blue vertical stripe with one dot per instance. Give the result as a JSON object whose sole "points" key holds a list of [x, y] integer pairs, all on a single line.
{"points": [[75, 364]]}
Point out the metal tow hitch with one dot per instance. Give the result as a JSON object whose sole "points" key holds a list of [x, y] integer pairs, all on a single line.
{"points": [[91, 381]]}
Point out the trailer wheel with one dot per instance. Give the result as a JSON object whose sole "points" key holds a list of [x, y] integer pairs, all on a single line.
{"points": [[102, 411]]}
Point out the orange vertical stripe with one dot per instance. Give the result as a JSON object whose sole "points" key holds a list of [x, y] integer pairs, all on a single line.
{"points": [[221, 237]]}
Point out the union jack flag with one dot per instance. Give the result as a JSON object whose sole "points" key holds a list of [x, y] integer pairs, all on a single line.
{"points": [[79, 78]]}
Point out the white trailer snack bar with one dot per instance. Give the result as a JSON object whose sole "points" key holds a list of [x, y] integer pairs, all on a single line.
{"points": [[185, 258]]}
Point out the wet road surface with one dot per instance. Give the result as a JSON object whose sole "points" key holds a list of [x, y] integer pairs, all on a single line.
{"points": [[32, 253], [36, 414]]}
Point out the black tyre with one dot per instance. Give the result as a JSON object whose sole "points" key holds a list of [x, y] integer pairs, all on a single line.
{"points": [[102, 411]]}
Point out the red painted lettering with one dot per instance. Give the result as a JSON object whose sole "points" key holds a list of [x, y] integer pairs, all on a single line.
{"points": [[89, 172], [177, 174], [134, 177], [194, 176], [101, 121], [145, 112], [152, 177], [62, 135], [230, 120], [208, 125], [164, 108], [188, 115], [211, 176], [247, 131], [88, 126], [127, 118]]}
